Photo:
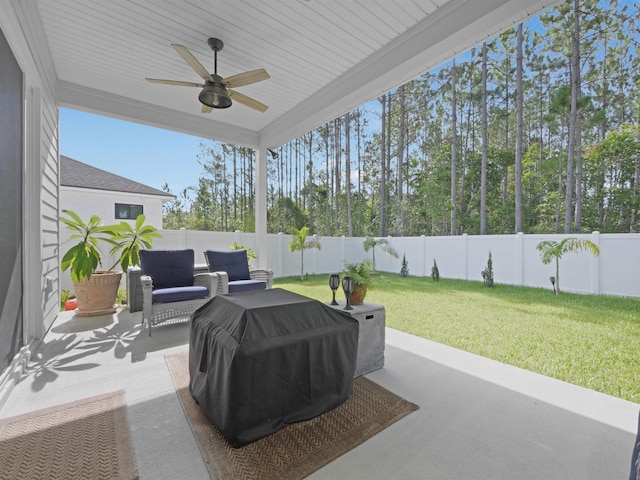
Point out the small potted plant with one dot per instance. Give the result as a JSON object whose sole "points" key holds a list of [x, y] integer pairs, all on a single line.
{"points": [[362, 275], [96, 290]]}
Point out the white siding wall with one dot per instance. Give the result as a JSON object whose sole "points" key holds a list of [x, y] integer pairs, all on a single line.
{"points": [[87, 202], [21, 25]]}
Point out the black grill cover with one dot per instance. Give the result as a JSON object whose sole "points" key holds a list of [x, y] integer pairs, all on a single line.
{"points": [[264, 359]]}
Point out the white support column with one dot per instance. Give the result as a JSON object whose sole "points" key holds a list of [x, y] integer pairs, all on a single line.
{"points": [[281, 248], [261, 206]]}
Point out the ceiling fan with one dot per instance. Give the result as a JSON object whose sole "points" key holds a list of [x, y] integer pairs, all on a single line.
{"points": [[217, 91]]}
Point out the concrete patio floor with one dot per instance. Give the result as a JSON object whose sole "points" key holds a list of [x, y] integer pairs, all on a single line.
{"points": [[478, 419]]}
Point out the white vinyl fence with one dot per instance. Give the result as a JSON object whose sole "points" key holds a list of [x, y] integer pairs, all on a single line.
{"points": [[515, 258]]}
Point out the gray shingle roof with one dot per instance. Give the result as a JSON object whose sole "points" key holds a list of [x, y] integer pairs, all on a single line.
{"points": [[77, 174]]}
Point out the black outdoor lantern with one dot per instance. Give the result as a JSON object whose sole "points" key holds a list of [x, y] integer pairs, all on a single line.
{"points": [[347, 286], [334, 284]]}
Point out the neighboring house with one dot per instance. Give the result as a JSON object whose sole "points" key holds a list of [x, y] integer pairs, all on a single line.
{"points": [[90, 191]]}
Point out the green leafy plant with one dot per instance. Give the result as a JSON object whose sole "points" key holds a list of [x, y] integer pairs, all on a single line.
{"points": [[404, 270], [487, 273], [251, 254], [84, 256], [129, 240], [362, 272], [435, 273], [371, 243], [299, 243], [551, 250], [64, 296]]}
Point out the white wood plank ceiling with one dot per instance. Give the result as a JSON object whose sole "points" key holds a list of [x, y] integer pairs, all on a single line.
{"points": [[325, 57]]}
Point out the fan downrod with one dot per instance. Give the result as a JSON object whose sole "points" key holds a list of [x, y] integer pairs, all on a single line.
{"points": [[215, 44]]}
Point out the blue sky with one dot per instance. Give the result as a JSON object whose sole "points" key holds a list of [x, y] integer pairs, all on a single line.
{"points": [[145, 154]]}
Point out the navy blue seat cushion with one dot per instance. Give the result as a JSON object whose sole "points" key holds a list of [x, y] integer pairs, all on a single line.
{"points": [[168, 268], [178, 294], [234, 262], [246, 285]]}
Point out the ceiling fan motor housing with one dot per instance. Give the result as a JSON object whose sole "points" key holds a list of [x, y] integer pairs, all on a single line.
{"points": [[214, 94]]}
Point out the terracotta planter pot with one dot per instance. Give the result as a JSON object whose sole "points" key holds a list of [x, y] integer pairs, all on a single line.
{"points": [[358, 294], [97, 294]]}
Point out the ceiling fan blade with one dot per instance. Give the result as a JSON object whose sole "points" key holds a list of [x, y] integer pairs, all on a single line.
{"points": [[247, 101], [246, 78], [174, 82], [206, 109], [193, 62]]}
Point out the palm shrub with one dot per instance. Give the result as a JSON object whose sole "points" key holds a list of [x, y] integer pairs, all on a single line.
{"points": [[371, 243], [551, 250], [299, 243]]}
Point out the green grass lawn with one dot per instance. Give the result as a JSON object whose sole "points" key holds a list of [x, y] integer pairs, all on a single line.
{"points": [[587, 340]]}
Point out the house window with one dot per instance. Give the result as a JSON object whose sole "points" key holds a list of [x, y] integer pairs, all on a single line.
{"points": [[124, 211]]}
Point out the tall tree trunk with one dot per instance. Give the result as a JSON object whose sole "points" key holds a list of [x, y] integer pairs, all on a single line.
{"points": [[310, 180], [401, 141], [359, 154], [519, 133], [636, 192], [383, 164], [347, 161], [579, 186], [573, 118], [337, 131], [454, 146], [561, 153], [328, 196], [485, 149], [235, 184]]}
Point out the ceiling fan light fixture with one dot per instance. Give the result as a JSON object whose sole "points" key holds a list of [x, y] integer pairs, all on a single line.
{"points": [[214, 95]]}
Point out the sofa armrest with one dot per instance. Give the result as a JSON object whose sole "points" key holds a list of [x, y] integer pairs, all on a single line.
{"points": [[264, 275], [134, 289], [223, 282], [147, 299], [208, 280]]}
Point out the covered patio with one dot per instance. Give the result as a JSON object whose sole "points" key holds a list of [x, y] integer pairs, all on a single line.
{"points": [[477, 418]]}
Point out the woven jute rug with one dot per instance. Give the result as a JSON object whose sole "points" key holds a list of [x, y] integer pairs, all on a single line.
{"points": [[86, 439], [299, 449]]}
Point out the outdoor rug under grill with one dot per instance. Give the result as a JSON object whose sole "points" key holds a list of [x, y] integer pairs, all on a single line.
{"points": [[299, 449], [84, 439]]}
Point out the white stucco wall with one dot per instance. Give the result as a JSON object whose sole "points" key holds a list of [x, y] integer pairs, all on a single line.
{"points": [[86, 202]]}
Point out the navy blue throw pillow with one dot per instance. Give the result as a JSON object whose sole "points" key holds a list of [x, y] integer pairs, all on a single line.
{"points": [[234, 262], [168, 268]]}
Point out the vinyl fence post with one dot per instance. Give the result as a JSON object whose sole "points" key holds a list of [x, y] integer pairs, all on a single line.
{"points": [[465, 254], [595, 265], [424, 255], [519, 259]]}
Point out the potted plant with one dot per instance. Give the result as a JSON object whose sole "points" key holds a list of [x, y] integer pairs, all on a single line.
{"points": [[96, 290], [362, 275]]}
